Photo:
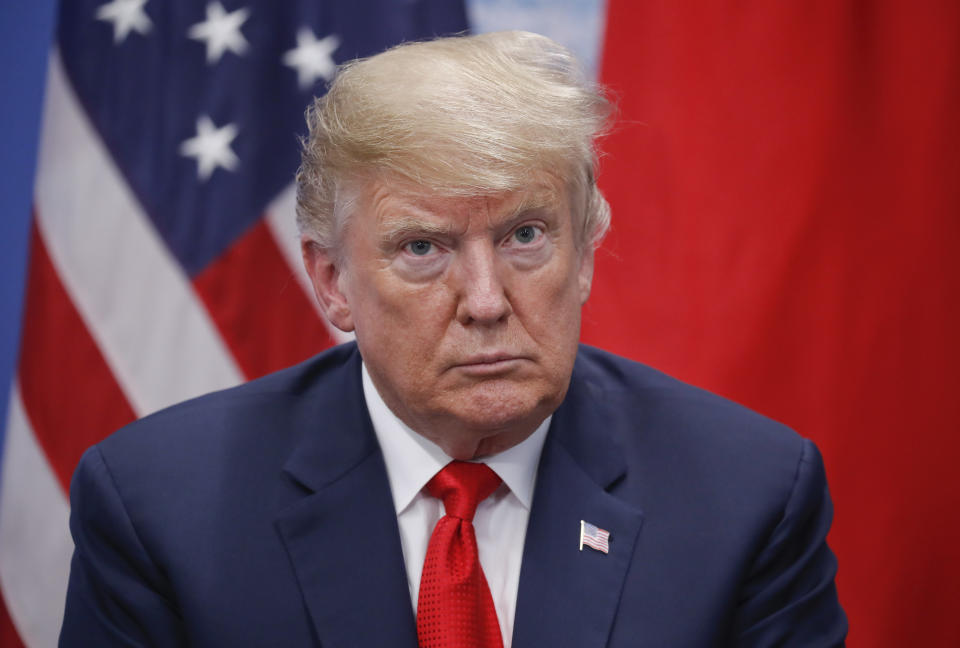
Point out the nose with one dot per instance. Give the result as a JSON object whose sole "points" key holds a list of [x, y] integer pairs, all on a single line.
{"points": [[482, 294]]}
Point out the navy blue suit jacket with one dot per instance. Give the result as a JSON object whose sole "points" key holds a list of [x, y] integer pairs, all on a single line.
{"points": [[262, 516]]}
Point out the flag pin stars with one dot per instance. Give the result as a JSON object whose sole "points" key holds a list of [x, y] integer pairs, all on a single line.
{"points": [[594, 537]]}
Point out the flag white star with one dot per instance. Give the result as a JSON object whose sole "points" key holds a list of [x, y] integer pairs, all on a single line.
{"points": [[221, 32], [126, 16], [312, 58], [211, 147]]}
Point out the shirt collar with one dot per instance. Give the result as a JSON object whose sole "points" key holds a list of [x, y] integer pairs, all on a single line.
{"points": [[412, 459]]}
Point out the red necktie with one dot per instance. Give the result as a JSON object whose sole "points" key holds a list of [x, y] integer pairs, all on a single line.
{"points": [[455, 609]]}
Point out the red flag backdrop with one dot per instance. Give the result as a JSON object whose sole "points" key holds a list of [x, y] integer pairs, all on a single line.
{"points": [[785, 182]]}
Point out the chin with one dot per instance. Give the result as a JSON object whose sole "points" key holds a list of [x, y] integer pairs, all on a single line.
{"points": [[499, 407]]}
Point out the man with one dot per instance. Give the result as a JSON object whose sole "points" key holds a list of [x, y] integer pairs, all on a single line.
{"points": [[449, 214]]}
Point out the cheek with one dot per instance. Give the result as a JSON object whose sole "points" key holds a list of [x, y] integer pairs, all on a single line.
{"points": [[551, 309], [409, 318], [561, 288]]}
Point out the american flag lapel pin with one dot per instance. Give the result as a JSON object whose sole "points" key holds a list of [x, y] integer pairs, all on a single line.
{"points": [[594, 537]]}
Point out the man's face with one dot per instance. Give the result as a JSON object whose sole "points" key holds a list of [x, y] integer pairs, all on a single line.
{"points": [[466, 310]]}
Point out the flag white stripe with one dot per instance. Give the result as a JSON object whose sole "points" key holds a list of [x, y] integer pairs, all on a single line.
{"points": [[35, 543], [281, 221], [137, 302]]}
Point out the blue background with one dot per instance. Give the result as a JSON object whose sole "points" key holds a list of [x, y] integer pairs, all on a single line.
{"points": [[26, 30]]}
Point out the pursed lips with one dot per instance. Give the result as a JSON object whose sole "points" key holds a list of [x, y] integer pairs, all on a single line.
{"points": [[490, 358], [492, 362]]}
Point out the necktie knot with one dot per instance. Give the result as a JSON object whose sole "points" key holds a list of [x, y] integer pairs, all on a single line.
{"points": [[462, 485]]}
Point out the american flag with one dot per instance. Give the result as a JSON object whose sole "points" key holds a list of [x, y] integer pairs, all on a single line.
{"points": [[164, 259], [594, 537]]}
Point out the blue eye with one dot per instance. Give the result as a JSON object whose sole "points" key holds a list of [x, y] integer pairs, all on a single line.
{"points": [[420, 248], [525, 234]]}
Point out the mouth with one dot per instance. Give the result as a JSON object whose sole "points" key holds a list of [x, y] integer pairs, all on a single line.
{"points": [[483, 364]]}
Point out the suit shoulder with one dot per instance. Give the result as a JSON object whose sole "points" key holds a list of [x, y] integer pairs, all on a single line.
{"points": [[689, 450], [663, 416], [654, 389], [237, 412], [225, 451]]}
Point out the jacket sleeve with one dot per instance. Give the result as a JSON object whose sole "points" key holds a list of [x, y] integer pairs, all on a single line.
{"points": [[789, 598], [117, 595]]}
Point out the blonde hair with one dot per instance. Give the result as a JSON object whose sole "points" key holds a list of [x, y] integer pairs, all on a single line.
{"points": [[460, 116]]}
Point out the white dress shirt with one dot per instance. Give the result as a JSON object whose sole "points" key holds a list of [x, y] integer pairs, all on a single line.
{"points": [[500, 521]]}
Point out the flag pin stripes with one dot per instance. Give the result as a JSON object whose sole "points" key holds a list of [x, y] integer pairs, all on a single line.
{"points": [[594, 537]]}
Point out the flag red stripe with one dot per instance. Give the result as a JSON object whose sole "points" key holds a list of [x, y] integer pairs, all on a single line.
{"points": [[262, 313], [8, 633], [69, 392]]}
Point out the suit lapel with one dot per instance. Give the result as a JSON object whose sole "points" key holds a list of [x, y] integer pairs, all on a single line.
{"points": [[342, 536], [569, 597]]}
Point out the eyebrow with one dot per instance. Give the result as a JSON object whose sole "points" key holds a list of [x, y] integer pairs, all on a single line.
{"points": [[533, 203], [408, 226]]}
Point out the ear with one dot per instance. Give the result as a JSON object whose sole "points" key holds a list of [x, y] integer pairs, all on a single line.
{"points": [[325, 274], [585, 273]]}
